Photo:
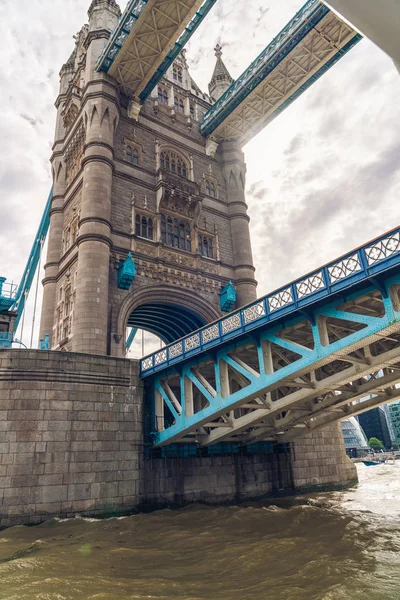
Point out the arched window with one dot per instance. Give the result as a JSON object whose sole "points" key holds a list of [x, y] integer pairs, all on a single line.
{"points": [[174, 163], [176, 233], [206, 246], [162, 95], [163, 229], [144, 227], [129, 157], [211, 188], [135, 157], [179, 106], [177, 73]]}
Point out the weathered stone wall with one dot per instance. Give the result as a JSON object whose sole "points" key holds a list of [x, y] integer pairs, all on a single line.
{"points": [[71, 442], [70, 429], [320, 460], [214, 479]]}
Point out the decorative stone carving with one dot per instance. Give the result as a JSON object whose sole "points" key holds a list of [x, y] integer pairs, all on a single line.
{"points": [[175, 276], [134, 110], [211, 147], [146, 249], [74, 153]]}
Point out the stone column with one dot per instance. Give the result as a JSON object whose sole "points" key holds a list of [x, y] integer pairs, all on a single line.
{"points": [[234, 169], [94, 241], [54, 247], [90, 327], [54, 251]]}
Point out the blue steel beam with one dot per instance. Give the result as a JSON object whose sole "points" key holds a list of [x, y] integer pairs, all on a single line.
{"points": [[33, 261], [365, 329], [127, 25], [131, 337], [355, 268], [305, 20]]}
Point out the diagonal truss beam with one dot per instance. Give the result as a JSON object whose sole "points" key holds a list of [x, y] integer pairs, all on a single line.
{"points": [[286, 380]]}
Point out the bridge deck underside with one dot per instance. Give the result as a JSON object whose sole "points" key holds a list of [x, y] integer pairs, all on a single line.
{"points": [[278, 80], [289, 379], [159, 25]]}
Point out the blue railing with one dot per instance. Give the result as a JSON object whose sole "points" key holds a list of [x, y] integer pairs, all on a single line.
{"points": [[6, 339], [8, 293], [357, 266]]}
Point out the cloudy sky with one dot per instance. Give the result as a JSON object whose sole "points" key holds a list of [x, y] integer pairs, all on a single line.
{"points": [[322, 178]]}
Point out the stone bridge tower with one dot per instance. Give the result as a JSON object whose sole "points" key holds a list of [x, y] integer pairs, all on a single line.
{"points": [[142, 187]]}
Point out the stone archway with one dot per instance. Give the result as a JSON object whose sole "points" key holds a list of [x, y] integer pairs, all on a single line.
{"points": [[166, 311]]}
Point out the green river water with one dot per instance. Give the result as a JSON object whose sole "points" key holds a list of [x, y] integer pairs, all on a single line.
{"points": [[339, 546]]}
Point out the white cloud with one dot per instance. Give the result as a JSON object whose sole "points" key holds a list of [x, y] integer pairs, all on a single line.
{"points": [[322, 178]]}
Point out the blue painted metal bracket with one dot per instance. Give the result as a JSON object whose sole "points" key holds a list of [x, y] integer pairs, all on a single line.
{"points": [[227, 297], [33, 261], [289, 37], [6, 339], [355, 268], [126, 273], [261, 380]]}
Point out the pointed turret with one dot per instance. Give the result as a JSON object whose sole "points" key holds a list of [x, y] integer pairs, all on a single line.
{"points": [[221, 79]]}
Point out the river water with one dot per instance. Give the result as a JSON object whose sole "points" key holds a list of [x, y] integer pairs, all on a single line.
{"points": [[324, 547]]}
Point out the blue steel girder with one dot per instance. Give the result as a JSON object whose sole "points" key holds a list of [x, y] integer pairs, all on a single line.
{"points": [[351, 311], [148, 38], [310, 44], [267, 386], [32, 263]]}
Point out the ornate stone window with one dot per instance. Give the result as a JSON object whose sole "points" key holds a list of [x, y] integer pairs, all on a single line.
{"points": [[144, 226], [206, 246], [210, 188], [179, 106], [177, 73], [176, 233], [132, 156], [192, 112], [170, 161], [162, 95]]}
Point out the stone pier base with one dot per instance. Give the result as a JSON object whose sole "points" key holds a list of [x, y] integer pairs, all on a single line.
{"points": [[71, 442]]}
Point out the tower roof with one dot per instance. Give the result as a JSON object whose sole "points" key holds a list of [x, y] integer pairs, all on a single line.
{"points": [[221, 78]]}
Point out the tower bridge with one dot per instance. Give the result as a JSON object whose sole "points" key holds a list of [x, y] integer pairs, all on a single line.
{"points": [[148, 229]]}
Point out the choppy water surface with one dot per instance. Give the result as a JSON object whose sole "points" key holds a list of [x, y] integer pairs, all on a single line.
{"points": [[331, 547]]}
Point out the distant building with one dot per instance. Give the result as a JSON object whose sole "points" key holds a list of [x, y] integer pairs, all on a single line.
{"points": [[374, 424], [394, 412], [354, 437]]}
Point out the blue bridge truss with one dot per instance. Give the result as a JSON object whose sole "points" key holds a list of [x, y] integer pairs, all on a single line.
{"points": [[290, 362]]}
